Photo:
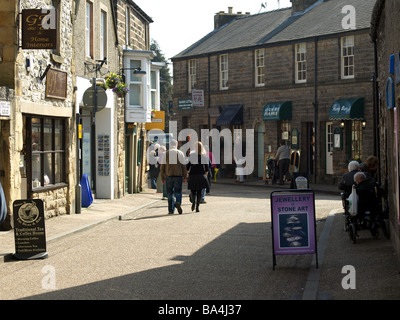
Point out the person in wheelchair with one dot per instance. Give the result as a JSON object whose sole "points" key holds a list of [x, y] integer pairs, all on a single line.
{"points": [[347, 181], [369, 193]]}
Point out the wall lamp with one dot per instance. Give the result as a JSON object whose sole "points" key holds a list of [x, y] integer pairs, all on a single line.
{"points": [[342, 124], [364, 124]]}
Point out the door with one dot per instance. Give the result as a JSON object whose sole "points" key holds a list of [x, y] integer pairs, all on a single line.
{"points": [[260, 149], [329, 148]]}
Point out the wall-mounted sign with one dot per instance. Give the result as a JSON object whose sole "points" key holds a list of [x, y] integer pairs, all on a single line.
{"points": [[198, 98], [337, 139], [5, 108], [39, 29], [295, 139], [56, 84], [157, 121], [185, 104]]}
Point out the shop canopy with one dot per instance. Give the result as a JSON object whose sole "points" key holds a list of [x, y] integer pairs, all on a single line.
{"points": [[231, 115], [278, 111], [347, 109]]}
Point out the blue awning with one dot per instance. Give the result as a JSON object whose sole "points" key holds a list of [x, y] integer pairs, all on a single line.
{"points": [[347, 109], [278, 111], [231, 115]]}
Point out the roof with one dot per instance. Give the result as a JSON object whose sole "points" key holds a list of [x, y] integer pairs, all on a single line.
{"points": [[273, 27]]}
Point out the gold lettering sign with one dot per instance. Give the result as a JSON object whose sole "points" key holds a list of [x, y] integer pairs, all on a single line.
{"points": [[56, 84], [39, 29]]}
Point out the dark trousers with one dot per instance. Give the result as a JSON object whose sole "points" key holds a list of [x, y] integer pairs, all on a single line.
{"points": [[284, 169]]}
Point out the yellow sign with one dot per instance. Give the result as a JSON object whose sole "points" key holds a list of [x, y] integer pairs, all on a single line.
{"points": [[157, 121], [80, 131]]}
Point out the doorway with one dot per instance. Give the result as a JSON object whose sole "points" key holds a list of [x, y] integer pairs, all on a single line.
{"points": [[329, 148], [260, 150]]}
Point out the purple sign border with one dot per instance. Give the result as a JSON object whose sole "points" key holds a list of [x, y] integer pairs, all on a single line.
{"points": [[293, 203]]}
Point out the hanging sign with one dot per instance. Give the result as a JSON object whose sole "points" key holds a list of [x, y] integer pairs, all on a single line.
{"points": [[29, 229], [39, 29], [56, 84], [293, 223]]}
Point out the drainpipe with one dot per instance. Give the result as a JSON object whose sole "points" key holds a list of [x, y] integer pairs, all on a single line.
{"points": [[209, 94], [315, 109], [376, 110]]}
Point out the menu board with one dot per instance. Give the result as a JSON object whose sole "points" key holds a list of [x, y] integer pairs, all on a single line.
{"points": [[103, 155]]}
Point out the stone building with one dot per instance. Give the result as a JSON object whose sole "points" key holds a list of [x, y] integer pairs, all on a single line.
{"points": [[385, 34], [37, 121], [301, 74]]}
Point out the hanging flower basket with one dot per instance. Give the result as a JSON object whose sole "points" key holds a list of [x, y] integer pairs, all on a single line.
{"points": [[121, 89], [112, 80]]}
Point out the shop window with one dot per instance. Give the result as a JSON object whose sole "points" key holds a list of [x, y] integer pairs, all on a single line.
{"points": [[45, 151], [356, 140]]}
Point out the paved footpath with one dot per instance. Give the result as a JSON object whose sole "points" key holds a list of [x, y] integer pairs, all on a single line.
{"points": [[296, 277]]}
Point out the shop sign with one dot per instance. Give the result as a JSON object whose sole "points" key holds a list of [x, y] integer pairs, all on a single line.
{"points": [[56, 84], [39, 29], [29, 229], [293, 223]]}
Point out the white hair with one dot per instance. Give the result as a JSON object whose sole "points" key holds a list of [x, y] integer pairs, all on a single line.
{"points": [[353, 165]]}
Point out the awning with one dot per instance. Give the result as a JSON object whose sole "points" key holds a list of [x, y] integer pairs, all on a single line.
{"points": [[347, 109], [278, 111], [231, 115]]}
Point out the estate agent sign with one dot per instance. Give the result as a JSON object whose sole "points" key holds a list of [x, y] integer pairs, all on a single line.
{"points": [[293, 223]]}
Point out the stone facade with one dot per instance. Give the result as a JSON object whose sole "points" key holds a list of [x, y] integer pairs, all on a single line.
{"points": [[384, 33], [324, 89]]}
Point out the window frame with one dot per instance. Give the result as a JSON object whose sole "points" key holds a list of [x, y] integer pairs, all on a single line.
{"points": [[136, 81], [31, 154], [259, 67], [89, 52], [223, 71], [346, 57], [192, 74], [356, 139], [103, 34], [301, 62]]}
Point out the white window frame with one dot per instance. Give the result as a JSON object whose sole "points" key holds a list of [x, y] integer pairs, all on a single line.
{"points": [[301, 63], [132, 80], [192, 74], [347, 57], [259, 60], [89, 30], [103, 34], [223, 72]]}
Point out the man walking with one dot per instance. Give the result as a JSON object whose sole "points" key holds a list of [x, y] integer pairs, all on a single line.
{"points": [[282, 158], [173, 173]]}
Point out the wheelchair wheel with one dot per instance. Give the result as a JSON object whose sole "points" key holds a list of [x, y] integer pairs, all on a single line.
{"points": [[352, 228]]}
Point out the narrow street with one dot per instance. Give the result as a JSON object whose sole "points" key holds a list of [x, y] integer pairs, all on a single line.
{"points": [[223, 252]]}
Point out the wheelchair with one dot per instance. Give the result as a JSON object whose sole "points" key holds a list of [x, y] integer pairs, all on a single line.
{"points": [[364, 221]]}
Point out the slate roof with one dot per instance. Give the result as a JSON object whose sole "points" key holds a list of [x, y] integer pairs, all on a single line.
{"points": [[322, 18]]}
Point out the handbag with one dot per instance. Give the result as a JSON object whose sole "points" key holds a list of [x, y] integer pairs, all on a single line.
{"points": [[353, 202]]}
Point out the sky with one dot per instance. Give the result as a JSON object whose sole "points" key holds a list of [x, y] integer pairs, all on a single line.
{"points": [[180, 23]]}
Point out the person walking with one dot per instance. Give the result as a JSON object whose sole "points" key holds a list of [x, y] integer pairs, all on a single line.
{"points": [[173, 173], [282, 158], [161, 186], [198, 168]]}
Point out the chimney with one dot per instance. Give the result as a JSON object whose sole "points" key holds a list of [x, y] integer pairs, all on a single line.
{"points": [[301, 5], [222, 18]]}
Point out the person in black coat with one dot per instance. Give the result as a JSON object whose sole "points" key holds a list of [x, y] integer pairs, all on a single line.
{"points": [[347, 181], [198, 168]]}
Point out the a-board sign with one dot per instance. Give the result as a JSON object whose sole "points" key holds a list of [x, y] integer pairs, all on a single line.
{"points": [[293, 223], [29, 229]]}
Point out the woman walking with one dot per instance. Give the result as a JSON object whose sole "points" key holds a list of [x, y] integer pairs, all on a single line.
{"points": [[198, 168]]}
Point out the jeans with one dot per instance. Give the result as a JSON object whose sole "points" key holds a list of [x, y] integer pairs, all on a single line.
{"points": [[174, 188]]}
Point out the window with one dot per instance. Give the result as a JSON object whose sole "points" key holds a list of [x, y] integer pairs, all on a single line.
{"points": [[301, 63], [223, 72], [89, 30], [127, 27], [135, 84], [45, 141], [103, 34], [260, 73], [347, 57], [356, 139], [192, 75], [153, 89]]}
